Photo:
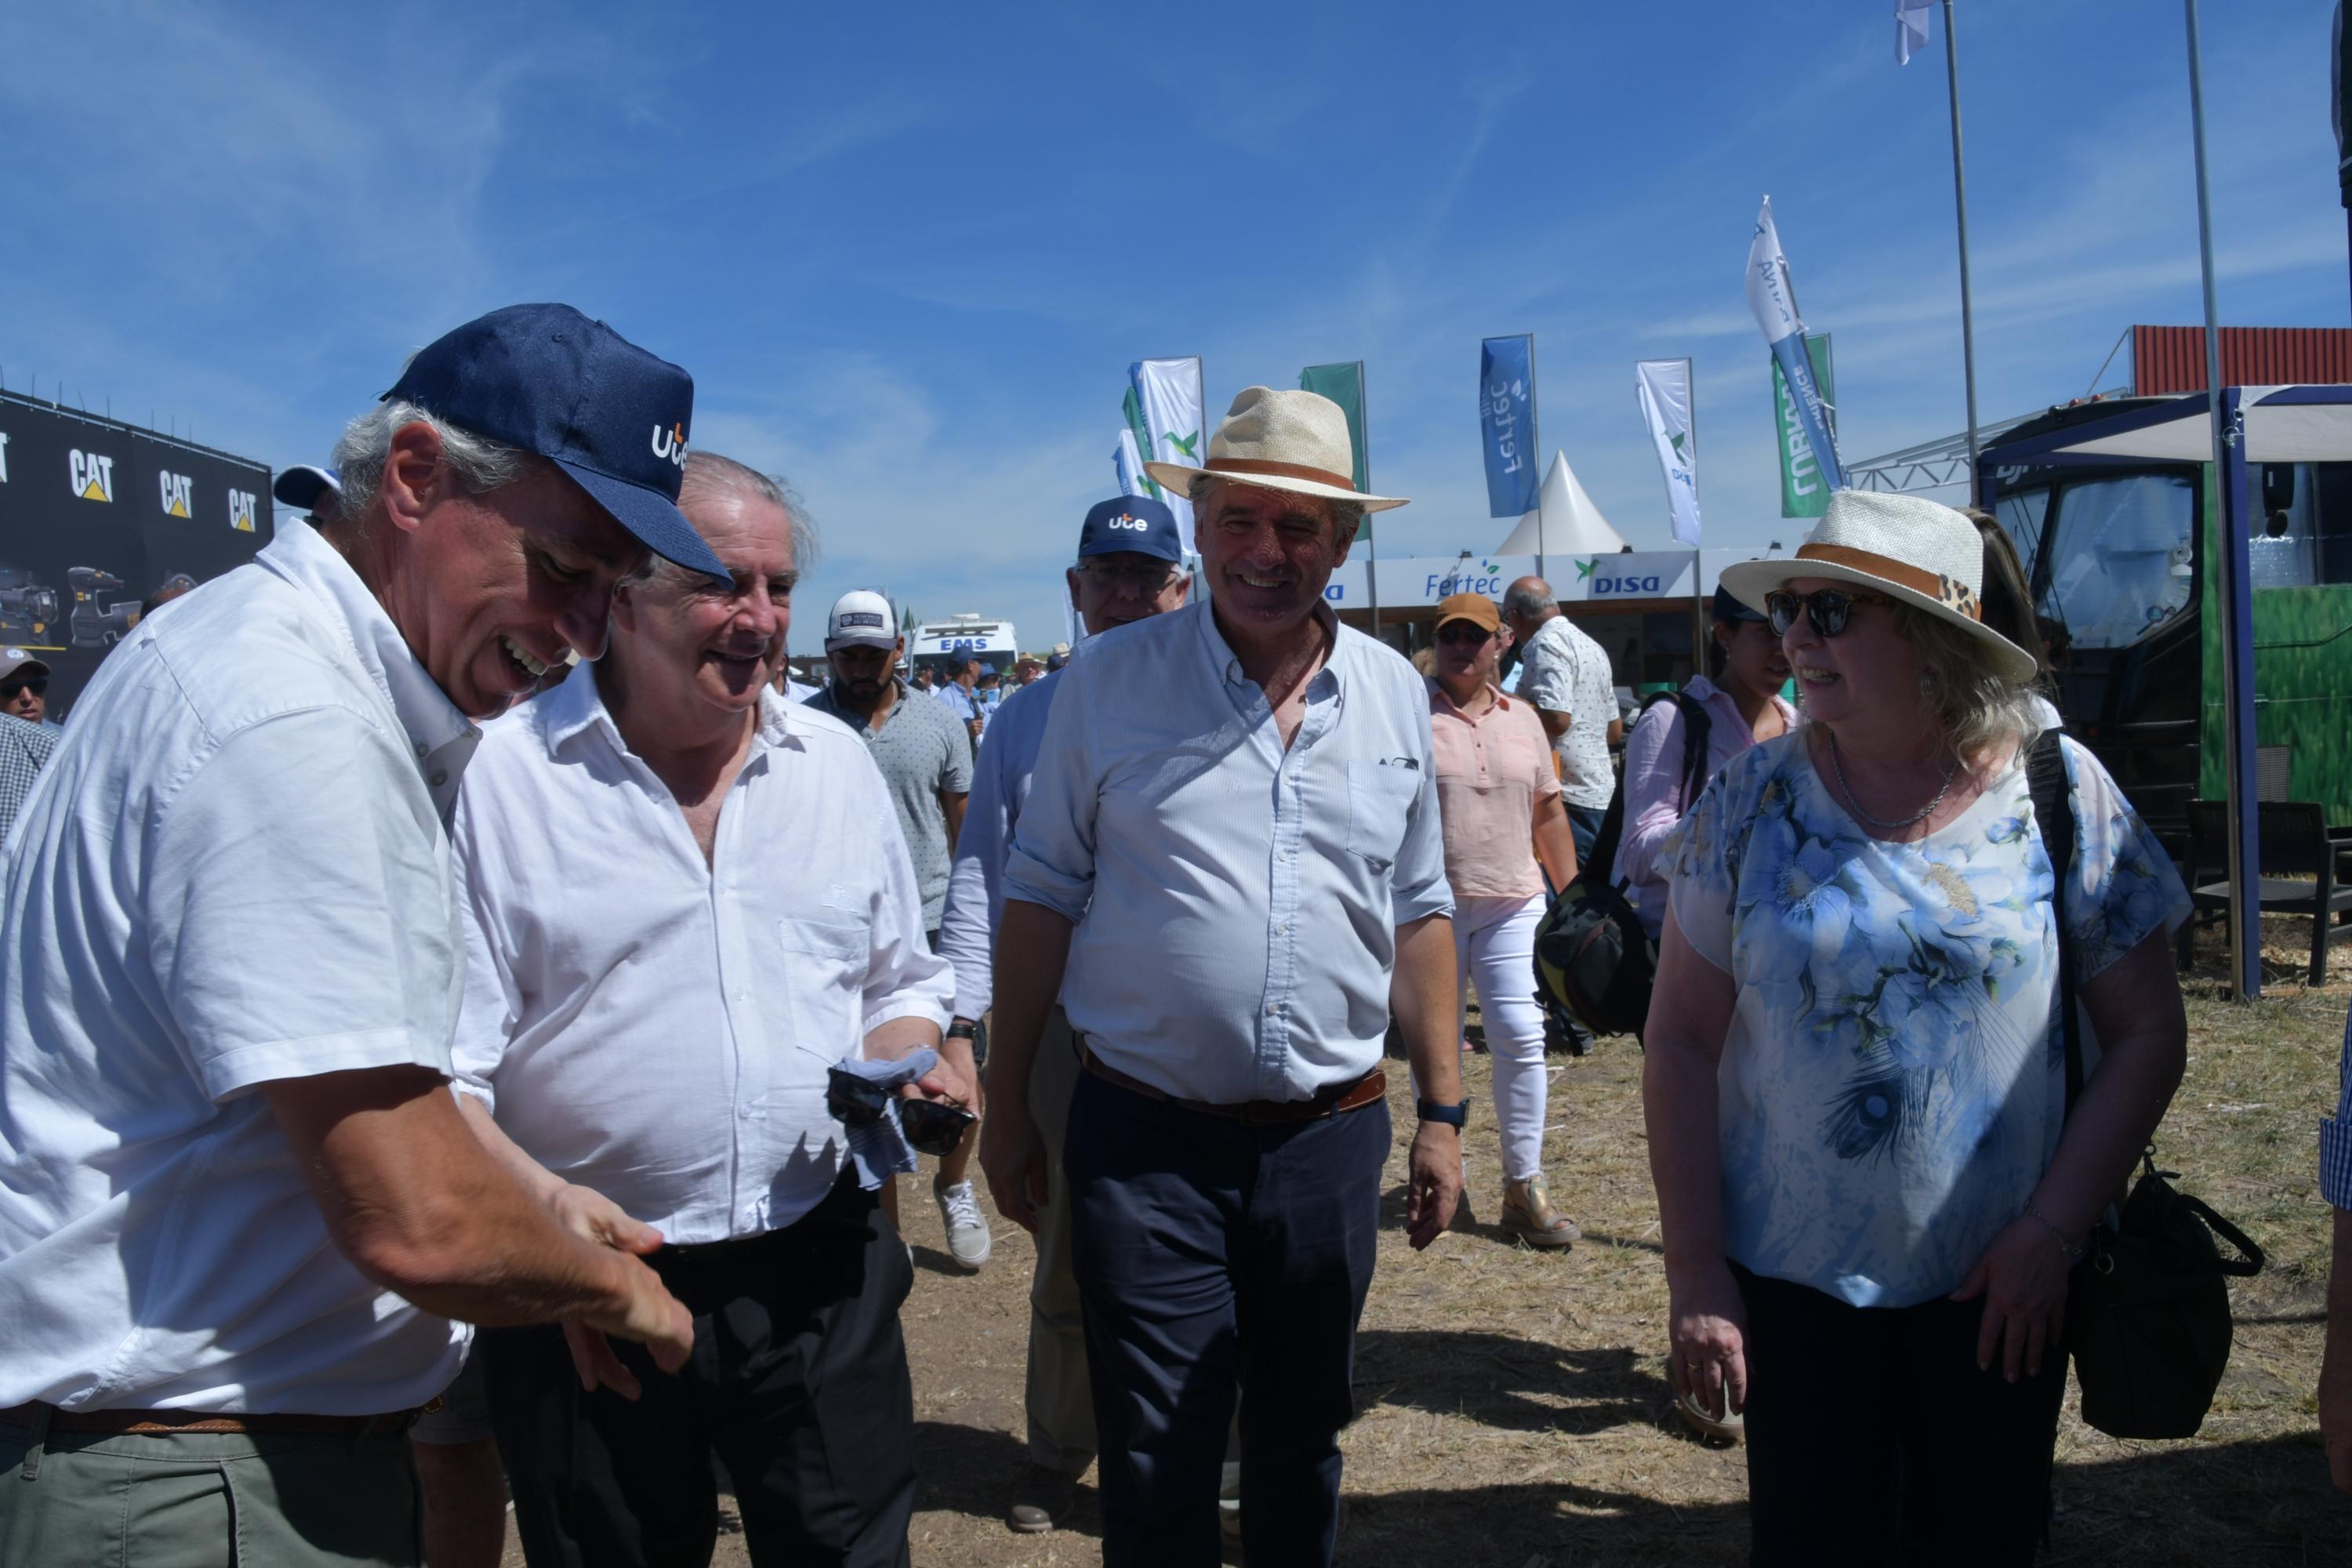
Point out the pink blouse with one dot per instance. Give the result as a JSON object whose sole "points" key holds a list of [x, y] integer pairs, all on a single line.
{"points": [[1491, 771], [1654, 754]]}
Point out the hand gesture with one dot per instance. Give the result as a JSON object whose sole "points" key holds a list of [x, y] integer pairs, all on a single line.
{"points": [[1707, 1338], [2022, 1279], [1434, 1182]]}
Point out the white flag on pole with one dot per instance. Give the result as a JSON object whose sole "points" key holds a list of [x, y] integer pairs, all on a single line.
{"points": [[1663, 387], [1170, 393], [1128, 465], [1910, 28]]}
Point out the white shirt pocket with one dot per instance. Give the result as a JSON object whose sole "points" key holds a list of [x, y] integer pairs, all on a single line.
{"points": [[1380, 796], [824, 980]]}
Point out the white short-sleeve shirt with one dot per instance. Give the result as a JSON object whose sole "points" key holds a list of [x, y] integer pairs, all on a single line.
{"points": [[232, 871]]}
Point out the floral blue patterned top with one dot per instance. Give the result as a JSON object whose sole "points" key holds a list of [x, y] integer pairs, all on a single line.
{"points": [[1894, 1080]]}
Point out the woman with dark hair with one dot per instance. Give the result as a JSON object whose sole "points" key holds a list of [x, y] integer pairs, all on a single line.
{"points": [[2007, 606], [1871, 1186], [1741, 695]]}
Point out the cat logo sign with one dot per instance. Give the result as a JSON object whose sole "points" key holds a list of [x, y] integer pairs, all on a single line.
{"points": [[175, 488], [241, 506], [92, 475]]}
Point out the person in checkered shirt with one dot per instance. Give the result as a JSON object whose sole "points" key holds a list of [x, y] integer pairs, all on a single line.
{"points": [[24, 747]]}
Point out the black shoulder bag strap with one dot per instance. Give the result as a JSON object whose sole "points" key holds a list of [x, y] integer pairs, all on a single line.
{"points": [[2053, 816], [1695, 739]]}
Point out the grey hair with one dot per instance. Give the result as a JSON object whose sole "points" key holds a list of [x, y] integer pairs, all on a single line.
{"points": [[1526, 602], [1975, 708], [480, 464], [1347, 516], [710, 471]]}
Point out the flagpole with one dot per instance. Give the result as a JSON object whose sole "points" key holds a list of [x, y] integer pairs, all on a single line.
{"points": [[2237, 635], [1535, 445], [1371, 545], [1698, 573], [1961, 206]]}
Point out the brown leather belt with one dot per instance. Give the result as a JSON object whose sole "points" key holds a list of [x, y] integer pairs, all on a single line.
{"points": [[168, 1423], [1332, 1102]]}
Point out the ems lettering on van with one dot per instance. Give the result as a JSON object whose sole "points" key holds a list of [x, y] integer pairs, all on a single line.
{"points": [[175, 489], [92, 475]]}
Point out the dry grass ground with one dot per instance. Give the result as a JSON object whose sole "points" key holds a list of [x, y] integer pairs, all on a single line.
{"points": [[1512, 1404]]}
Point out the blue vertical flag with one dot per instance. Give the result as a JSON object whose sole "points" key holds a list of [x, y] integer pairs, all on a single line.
{"points": [[1773, 299], [1507, 420]]}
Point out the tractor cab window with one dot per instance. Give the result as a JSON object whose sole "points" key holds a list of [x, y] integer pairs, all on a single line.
{"points": [[2300, 524], [2121, 558]]}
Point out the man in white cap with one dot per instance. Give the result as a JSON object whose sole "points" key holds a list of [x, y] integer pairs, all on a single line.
{"points": [[926, 761], [1226, 886], [24, 688]]}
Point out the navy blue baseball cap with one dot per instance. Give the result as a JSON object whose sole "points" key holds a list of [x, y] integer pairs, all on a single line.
{"points": [[1728, 606], [1131, 522], [548, 380]]}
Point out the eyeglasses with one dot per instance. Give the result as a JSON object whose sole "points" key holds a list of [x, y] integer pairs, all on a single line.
{"points": [[1143, 576], [1826, 608], [930, 1127], [1458, 633], [38, 687]]}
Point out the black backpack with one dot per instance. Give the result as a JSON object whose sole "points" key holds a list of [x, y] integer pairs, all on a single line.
{"points": [[1591, 956]]}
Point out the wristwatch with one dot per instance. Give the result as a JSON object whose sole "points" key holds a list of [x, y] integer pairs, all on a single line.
{"points": [[961, 1029], [1456, 1116]]}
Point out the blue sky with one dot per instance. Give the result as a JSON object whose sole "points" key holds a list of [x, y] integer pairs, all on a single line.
{"points": [[908, 251]]}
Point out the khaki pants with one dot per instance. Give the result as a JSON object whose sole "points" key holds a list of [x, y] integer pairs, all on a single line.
{"points": [[207, 1500], [1060, 1399]]}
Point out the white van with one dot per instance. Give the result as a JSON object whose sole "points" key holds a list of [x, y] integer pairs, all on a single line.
{"points": [[942, 647]]}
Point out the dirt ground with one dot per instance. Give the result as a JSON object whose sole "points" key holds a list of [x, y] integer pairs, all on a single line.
{"points": [[1512, 1408]]}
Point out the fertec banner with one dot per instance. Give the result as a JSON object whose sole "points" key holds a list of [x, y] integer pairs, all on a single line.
{"points": [[1663, 387], [1803, 494], [1773, 297], [1169, 391], [1507, 422]]}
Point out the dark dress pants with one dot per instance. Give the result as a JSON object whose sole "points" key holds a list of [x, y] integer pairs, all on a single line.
{"points": [[1209, 1252], [1874, 1439], [798, 1382]]}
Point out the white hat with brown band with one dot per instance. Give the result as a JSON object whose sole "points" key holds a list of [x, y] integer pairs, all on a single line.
{"points": [[1914, 551], [1294, 441]]}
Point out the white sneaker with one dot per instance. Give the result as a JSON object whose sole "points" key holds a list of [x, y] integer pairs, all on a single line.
{"points": [[968, 1235]]}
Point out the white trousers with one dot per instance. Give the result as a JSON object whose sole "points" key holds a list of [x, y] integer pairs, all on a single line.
{"points": [[1495, 944]]}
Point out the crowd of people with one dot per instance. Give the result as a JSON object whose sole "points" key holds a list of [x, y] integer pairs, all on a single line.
{"points": [[464, 1013]]}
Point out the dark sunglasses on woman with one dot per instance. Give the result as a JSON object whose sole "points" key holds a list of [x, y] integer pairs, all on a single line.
{"points": [[1462, 632], [1826, 608]]}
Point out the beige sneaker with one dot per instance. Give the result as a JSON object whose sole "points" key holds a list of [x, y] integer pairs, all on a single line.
{"points": [[1527, 1214]]}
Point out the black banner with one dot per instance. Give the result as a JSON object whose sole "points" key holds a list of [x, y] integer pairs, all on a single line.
{"points": [[95, 516]]}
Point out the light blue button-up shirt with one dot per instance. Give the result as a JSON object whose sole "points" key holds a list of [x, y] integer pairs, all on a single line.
{"points": [[1000, 788], [1235, 903]]}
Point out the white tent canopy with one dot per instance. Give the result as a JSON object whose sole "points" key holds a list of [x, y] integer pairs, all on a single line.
{"points": [[1565, 521]]}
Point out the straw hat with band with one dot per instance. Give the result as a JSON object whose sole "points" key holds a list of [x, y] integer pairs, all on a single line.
{"points": [[1294, 441], [1915, 551]]}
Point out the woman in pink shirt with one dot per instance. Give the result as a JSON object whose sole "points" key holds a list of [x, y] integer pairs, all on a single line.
{"points": [[1743, 706], [1499, 799]]}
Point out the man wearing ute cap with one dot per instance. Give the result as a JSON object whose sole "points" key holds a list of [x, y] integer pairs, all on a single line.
{"points": [[243, 1207]]}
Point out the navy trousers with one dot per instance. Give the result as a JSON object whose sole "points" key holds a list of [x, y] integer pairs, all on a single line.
{"points": [[1210, 1253]]}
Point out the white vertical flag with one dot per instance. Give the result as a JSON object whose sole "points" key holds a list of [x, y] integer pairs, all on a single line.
{"points": [[1910, 28], [1664, 388], [1170, 390], [1128, 464]]}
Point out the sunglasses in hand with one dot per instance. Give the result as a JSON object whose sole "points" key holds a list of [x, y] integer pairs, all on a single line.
{"points": [[931, 1126]]}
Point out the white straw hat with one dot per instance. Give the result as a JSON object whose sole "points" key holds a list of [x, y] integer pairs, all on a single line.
{"points": [[1914, 551], [1294, 441]]}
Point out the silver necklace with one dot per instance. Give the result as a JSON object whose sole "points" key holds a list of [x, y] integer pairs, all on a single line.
{"points": [[1921, 814]]}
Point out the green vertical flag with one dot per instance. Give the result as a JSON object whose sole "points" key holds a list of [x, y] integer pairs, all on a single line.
{"points": [[1134, 412], [1343, 384], [1803, 491]]}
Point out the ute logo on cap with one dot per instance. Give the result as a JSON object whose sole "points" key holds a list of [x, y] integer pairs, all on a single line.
{"points": [[670, 444], [1127, 519]]}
